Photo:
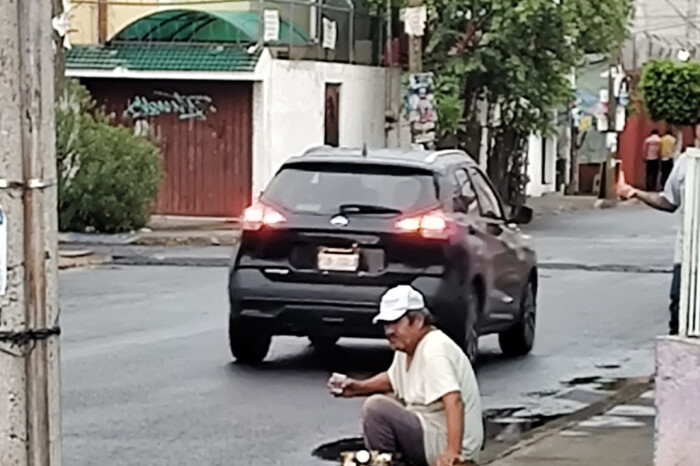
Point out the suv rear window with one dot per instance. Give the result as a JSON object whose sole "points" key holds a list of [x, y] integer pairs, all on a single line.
{"points": [[322, 189]]}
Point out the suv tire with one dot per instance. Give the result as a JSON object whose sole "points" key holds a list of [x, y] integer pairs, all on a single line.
{"points": [[519, 340], [471, 335], [249, 342]]}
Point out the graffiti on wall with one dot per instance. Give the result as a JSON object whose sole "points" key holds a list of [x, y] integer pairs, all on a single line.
{"points": [[186, 107]]}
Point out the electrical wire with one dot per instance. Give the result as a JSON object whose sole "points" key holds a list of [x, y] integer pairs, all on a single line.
{"points": [[27, 340], [682, 15], [658, 27]]}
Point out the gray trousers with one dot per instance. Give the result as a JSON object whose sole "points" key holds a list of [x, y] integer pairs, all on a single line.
{"points": [[390, 428]]}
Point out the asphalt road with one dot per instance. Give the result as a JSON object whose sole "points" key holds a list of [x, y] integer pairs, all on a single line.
{"points": [[147, 376]]}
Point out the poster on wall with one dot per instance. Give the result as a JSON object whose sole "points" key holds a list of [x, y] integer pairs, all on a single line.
{"points": [[272, 26], [414, 19], [420, 107], [330, 34], [3, 253]]}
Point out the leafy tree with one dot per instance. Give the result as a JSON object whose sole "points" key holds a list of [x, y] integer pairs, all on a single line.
{"points": [[108, 177], [671, 91], [512, 59], [516, 55]]}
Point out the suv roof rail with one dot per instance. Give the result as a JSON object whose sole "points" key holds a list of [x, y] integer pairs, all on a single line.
{"points": [[443, 153], [314, 149]]}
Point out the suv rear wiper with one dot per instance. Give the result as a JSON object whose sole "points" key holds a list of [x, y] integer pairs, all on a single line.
{"points": [[367, 209]]}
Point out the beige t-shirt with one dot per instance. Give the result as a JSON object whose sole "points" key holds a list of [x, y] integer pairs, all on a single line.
{"points": [[439, 367]]}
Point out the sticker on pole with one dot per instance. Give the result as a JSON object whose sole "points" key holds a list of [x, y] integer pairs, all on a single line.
{"points": [[3, 253]]}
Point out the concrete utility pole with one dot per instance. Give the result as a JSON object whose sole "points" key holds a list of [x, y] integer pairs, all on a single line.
{"points": [[415, 46], [29, 345]]}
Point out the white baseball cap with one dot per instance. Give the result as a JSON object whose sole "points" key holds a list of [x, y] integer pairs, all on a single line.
{"points": [[397, 302]]}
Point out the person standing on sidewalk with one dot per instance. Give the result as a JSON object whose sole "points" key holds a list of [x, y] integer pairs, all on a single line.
{"points": [[670, 200], [427, 406], [668, 154], [652, 147]]}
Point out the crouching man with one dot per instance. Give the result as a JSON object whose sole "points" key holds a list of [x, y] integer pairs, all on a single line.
{"points": [[426, 407]]}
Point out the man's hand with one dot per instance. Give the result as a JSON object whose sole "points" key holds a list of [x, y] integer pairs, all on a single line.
{"points": [[449, 459], [626, 191], [348, 388]]}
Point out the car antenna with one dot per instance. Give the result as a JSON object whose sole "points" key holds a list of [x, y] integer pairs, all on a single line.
{"points": [[364, 150]]}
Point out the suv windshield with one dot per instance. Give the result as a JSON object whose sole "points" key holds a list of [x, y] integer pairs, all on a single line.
{"points": [[350, 188]]}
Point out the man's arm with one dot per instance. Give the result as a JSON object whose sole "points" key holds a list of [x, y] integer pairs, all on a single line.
{"points": [[454, 417], [654, 200]]}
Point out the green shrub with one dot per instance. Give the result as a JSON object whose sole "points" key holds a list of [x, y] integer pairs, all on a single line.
{"points": [[671, 91], [108, 177]]}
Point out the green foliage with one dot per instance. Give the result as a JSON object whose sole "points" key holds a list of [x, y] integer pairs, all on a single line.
{"points": [[516, 55], [671, 91], [600, 26], [449, 103], [108, 177]]}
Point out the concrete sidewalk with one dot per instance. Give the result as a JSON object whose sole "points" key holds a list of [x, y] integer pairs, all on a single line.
{"points": [[623, 436]]}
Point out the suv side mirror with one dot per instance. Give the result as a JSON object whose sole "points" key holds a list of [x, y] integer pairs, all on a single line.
{"points": [[521, 215]]}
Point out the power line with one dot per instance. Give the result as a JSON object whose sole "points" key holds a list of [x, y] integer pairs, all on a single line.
{"points": [[682, 15], [658, 27]]}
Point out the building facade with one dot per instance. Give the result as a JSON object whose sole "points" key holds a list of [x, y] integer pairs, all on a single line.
{"points": [[227, 108]]}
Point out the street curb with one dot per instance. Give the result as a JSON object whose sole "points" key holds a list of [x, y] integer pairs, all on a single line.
{"points": [[159, 238], [171, 261], [87, 260], [634, 389], [228, 238]]}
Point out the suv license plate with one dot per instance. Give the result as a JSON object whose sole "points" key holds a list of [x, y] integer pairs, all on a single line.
{"points": [[338, 262]]}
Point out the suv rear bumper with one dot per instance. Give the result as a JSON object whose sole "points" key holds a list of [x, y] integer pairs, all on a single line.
{"points": [[292, 308]]}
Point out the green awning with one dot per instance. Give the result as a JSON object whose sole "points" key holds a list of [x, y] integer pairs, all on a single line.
{"points": [[196, 26], [161, 57]]}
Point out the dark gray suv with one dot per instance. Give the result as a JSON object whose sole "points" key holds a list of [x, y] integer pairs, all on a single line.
{"points": [[336, 228]]}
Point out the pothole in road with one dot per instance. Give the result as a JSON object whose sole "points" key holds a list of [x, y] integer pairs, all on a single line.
{"points": [[597, 382], [502, 425], [333, 451]]}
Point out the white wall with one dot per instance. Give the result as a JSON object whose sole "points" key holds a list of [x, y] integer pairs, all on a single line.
{"points": [[537, 186], [289, 110]]}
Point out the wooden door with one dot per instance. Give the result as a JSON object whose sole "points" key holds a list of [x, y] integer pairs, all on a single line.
{"points": [[332, 120]]}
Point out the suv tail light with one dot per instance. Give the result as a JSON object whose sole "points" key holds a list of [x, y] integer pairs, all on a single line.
{"points": [[435, 224], [259, 215]]}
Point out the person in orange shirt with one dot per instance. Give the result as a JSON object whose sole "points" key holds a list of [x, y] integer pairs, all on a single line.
{"points": [[668, 155], [652, 147]]}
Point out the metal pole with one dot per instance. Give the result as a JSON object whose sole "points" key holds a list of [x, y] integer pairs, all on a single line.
{"points": [[573, 156], [352, 31], [389, 33], [261, 28], [29, 362], [689, 314], [608, 189]]}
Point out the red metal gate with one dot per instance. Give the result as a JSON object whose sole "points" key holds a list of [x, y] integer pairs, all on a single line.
{"points": [[204, 130]]}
